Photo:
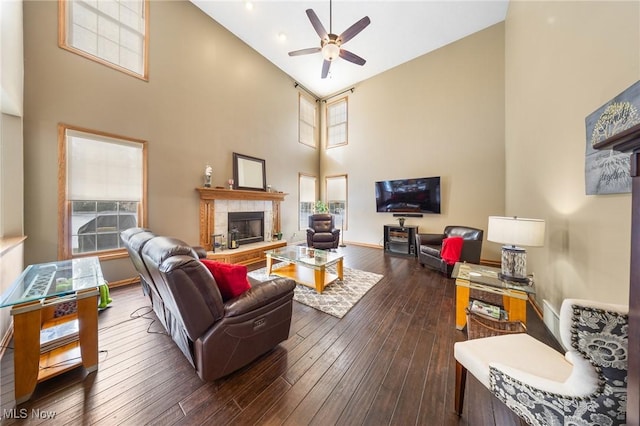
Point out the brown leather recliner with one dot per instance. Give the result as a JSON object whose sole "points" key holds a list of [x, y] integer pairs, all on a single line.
{"points": [[429, 247], [322, 233], [217, 337]]}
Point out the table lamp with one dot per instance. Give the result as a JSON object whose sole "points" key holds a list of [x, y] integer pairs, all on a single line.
{"points": [[515, 232]]}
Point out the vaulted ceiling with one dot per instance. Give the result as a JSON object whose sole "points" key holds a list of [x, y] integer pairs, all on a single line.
{"points": [[399, 31]]}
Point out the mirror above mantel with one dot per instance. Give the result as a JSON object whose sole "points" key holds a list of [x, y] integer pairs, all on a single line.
{"points": [[249, 173]]}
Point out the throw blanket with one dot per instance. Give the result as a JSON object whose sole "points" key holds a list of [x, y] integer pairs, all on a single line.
{"points": [[451, 249]]}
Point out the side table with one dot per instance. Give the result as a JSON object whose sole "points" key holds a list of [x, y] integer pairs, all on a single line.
{"points": [[33, 298], [485, 279]]}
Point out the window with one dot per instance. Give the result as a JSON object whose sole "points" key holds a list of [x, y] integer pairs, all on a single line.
{"points": [[102, 192], [111, 32], [307, 197], [307, 120], [337, 198], [337, 123]]}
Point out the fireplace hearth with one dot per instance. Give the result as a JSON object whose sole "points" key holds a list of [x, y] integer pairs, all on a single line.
{"points": [[249, 225]]}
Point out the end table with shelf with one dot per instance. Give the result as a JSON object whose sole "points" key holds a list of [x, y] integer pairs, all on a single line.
{"points": [[485, 279], [33, 298]]}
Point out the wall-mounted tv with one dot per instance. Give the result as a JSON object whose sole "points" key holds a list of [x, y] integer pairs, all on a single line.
{"points": [[420, 195]]}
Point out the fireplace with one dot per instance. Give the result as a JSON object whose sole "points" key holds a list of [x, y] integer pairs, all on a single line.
{"points": [[250, 226]]}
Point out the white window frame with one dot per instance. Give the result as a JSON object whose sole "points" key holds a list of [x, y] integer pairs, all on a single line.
{"points": [[307, 117], [337, 198], [65, 173], [338, 122], [116, 24], [306, 203]]}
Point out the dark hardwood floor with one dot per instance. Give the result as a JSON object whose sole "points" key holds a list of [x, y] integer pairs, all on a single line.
{"points": [[388, 361]]}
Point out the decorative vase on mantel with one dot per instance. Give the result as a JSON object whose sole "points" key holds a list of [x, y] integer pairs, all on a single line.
{"points": [[401, 221]]}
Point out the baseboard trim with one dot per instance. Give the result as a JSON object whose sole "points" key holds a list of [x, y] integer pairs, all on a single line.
{"points": [[122, 283], [352, 243]]}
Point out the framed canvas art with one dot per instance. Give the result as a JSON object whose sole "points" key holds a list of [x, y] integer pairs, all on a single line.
{"points": [[607, 171]]}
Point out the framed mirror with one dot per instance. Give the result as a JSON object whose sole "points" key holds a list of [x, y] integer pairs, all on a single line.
{"points": [[249, 173]]}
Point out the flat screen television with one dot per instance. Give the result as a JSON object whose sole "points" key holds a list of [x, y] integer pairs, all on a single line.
{"points": [[421, 195]]}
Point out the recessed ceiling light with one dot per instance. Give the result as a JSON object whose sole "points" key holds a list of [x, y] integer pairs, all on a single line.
{"points": [[248, 5], [282, 36]]}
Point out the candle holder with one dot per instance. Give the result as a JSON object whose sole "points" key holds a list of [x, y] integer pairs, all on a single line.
{"points": [[230, 182]]}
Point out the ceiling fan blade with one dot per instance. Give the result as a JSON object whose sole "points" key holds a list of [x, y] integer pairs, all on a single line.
{"points": [[317, 25], [305, 51], [325, 68], [351, 57], [353, 30]]}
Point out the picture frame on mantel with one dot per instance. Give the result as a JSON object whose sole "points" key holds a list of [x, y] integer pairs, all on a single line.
{"points": [[607, 171], [249, 173]]}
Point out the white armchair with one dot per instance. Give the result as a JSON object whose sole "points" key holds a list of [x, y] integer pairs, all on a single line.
{"points": [[588, 385]]}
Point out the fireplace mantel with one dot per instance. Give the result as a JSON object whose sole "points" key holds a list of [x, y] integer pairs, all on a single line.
{"points": [[237, 194], [207, 207]]}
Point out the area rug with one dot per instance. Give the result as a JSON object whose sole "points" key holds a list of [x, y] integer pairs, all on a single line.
{"points": [[338, 297]]}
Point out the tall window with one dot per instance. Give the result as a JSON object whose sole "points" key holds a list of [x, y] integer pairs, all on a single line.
{"points": [[102, 179], [307, 120], [337, 123], [337, 198], [112, 32], [307, 197]]}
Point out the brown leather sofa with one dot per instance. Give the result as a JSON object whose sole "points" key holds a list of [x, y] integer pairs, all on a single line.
{"points": [[429, 247], [322, 233], [217, 337]]}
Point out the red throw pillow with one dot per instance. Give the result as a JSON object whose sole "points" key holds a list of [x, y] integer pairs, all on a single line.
{"points": [[231, 279]]}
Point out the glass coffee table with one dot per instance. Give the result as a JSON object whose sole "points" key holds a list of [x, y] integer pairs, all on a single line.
{"points": [[305, 265]]}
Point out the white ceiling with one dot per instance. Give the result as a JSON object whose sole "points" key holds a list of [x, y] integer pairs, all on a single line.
{"points": [[399, 31]]}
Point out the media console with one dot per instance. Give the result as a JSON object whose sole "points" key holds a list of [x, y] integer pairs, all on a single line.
{"points": [[400, 239]]}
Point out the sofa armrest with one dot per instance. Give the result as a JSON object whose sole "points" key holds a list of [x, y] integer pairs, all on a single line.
{"points": [[429, 239], [260, 294], [201, 252]]}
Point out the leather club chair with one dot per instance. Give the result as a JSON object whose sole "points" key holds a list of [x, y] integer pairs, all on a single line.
{"points": [[322, 233], [217, 337], [429, 247]]}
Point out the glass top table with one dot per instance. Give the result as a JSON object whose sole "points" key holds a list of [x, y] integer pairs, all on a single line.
{"points": [[486, 275], [59, 278], [34, 298], [479, 278], [307, 266]]}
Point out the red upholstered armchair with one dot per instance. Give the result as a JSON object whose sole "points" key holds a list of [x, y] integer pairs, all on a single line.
{"points": [[322, 233]]}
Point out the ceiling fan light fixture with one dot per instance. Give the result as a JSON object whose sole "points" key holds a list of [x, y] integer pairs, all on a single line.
{"points": [[330, 51]]}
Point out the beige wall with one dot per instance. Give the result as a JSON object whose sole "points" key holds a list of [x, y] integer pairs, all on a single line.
{"points": [[208, 95], [441, 114], [563, 61], [499, 115]]}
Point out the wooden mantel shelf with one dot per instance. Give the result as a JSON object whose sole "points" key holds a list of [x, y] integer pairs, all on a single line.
{"points": [[208, 196], [238, 194]]}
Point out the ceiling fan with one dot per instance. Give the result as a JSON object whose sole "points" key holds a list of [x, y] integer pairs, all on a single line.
{"points": [[330, 44]]}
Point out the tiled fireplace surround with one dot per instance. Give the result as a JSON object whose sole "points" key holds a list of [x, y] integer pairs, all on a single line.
{"points": [[215, 204], [222, 208]]}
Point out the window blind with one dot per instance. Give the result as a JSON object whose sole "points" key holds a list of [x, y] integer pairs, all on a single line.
{"points": [[101, 168]]}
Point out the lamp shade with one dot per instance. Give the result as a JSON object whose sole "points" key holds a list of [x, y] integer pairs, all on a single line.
{"points": [[517, 231]]}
